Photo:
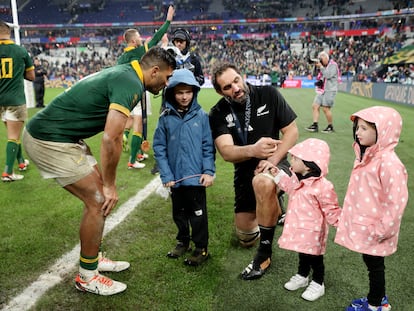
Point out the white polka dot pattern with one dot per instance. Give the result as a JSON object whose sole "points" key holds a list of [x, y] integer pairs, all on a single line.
{"points": [[377, 192], [312, 205]]}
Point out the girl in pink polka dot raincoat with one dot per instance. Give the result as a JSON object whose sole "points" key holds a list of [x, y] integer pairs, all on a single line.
{"points": [[375, 200], [313, 204]]}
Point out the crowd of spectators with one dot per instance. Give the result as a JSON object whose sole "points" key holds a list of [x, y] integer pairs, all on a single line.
{"points": [[358, 58]]}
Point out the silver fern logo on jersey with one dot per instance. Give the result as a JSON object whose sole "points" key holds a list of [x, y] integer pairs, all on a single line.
{"points": [[261, 110]]}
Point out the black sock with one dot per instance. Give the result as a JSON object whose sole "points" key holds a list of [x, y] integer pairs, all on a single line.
{"points": [[266, 240]]}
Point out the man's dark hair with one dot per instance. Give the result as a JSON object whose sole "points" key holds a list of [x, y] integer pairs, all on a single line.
{"points": [[157, 56], [218, 70]]}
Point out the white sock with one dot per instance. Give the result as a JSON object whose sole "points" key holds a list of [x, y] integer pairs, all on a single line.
{"points": [[86, 274]]}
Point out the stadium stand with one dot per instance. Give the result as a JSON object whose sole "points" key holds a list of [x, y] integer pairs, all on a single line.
{"points": [[80, 46]]}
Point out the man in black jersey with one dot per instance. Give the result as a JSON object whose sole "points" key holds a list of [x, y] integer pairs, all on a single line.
{"points": [[246, 125]]}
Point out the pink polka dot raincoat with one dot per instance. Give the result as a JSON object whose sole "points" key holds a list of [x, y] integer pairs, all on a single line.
{"points": [[377, 191], [313, 203]]}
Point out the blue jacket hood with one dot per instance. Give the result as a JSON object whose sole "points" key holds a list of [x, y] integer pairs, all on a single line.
{"points": [[181, 76]]}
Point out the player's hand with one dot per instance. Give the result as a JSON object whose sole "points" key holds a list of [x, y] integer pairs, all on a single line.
{"points": [[265, 147], [111, 199], [170, 13]]}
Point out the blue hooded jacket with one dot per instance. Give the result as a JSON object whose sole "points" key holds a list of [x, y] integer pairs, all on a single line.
{"points": [[183, 146]]}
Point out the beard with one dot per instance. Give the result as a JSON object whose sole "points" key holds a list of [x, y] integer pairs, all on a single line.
{"points": [[153, 90], [240, 100]]}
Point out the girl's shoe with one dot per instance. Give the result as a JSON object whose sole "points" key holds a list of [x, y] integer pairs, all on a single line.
{"points": [[313, 291], [361, 304], [297, 281]]}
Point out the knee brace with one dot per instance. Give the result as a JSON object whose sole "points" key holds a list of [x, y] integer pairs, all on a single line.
{"points": [[248, 239]]}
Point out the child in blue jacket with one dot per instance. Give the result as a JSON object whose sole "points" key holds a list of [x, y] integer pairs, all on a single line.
{"points": [[184, 150]]}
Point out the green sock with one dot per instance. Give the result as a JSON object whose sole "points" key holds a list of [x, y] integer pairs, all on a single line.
{"points": [[136, 142], [88, 262], [19, 155], [11, 152], [126, 133]]}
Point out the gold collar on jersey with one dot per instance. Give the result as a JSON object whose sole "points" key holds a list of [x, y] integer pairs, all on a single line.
{"points": [[6, 41], [138, 70]]}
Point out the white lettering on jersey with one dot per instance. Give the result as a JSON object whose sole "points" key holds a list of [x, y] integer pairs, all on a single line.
{"points": [[230, 120]]}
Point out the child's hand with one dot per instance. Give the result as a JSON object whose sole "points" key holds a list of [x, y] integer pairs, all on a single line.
{"points": [[169, 184], [274, 170], [206, 180]]}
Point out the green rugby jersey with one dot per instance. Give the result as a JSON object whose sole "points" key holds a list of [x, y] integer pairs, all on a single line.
{"points": [[131, 53], [80, 112], [14, 62]]}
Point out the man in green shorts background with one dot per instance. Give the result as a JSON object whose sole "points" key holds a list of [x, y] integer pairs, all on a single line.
{"points": [[53, 139], [15, 66]]}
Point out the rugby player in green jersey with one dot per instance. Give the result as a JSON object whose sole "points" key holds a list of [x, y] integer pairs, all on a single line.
{"points": [[54, 140], [134, 51], [15, 66]]}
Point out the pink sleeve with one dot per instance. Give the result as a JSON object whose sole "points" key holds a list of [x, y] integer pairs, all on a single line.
{"points": [[329, 204], [394, 199]]}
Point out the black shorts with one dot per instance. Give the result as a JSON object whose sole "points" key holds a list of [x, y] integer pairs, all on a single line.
{"points": [[245, 200]]}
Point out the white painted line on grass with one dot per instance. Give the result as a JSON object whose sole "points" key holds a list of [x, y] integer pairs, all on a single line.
{"points": [[68, 262]]}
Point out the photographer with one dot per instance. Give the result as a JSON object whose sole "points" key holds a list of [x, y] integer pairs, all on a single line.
{"points": [[326, 88]]}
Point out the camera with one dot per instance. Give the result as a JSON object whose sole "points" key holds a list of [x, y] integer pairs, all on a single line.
{"points": [[313, 60], [319, 83]]}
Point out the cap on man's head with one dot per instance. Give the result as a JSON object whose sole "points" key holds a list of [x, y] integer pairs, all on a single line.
{"points": [[181, 34]]}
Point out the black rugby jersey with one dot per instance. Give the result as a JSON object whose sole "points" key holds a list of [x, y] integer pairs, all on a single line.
{"points": [[269, 113]]}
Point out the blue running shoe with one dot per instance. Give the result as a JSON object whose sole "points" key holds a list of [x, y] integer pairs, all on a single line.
{"points": [[361, 304]]}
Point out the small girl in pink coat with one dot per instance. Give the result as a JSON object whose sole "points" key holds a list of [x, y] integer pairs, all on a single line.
{"points": [[312, 205], [375, 200]]}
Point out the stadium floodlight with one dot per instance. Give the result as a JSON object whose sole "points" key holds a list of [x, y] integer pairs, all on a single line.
{"points": [[28, 85]]}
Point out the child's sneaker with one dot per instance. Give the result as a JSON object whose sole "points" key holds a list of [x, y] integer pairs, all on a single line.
{"points": [[362, 304], [297, 281], [199, 256], [11, 177], [23, 166], [368, 307], [359, 302], [99, 285], [313, 291], [108, 265], [179, 250]]}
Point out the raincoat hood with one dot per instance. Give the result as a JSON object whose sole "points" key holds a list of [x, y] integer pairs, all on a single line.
{"points": [[181, 76], [313, 150], [388, 123]]}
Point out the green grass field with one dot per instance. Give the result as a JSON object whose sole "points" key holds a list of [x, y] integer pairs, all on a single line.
{"points": [[40, 223]]}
